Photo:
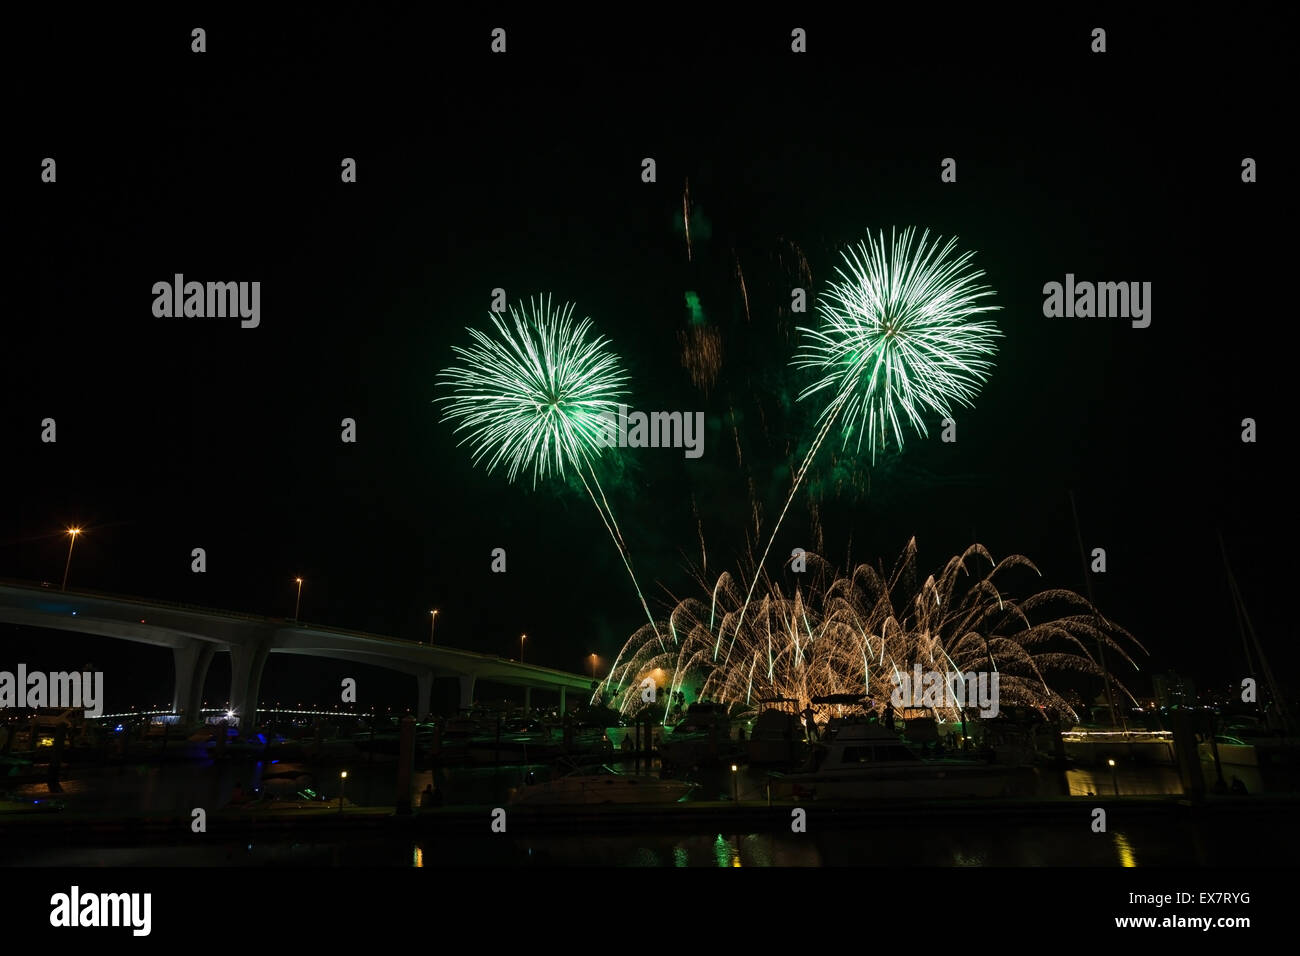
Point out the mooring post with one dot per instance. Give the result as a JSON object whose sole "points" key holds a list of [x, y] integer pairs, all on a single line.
{"points": [[405, 758], [56, 760], [1189, 759]]}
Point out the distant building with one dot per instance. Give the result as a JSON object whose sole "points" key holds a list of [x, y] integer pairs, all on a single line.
{"points": [[1174, 691]]}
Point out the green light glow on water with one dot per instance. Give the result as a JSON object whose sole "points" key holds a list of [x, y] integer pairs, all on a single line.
{"points": [[722, 851]]}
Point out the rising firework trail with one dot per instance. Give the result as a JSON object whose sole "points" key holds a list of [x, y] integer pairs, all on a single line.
{"points": [[900, 337], [686, 218], [535, 395]]}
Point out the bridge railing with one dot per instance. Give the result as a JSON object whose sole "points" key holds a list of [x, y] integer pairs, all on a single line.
{"points": [[128, 599], [258, 618]]}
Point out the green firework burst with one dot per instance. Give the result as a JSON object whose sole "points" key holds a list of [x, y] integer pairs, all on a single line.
{"points": [[901, 335], [901, 338], [538, 396], [534, 396]]}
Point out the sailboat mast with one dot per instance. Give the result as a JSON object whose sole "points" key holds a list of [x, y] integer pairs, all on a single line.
{"points": [[1241, 624], [1249, 638], [1101, 646]]}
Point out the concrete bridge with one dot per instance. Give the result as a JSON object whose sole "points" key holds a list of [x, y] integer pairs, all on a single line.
{"points": [[195, 634]]}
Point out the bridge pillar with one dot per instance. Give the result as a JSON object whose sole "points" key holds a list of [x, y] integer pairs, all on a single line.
{"points": [[425, 683], [192, 662], [467, 690], [562, 689], [246, 664]]}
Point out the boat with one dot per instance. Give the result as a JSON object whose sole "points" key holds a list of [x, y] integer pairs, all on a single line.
{"points": [[861, 760], [389, 742], [305, 799], [583, 786], [702, 736], [12, 804], [11, 766], [513, 740], [1268, 749], [280, 780], [1230, 751], [779, 737], [1093, 745], [1271, 733], [451, 741]]}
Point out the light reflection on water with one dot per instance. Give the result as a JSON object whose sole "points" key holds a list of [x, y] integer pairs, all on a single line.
{"points": [[1146, 842], [1125, 850], [133, 790]]}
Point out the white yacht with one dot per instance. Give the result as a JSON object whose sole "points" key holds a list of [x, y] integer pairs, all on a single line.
{"points": [[778, 737], [702, 736], [863, 761]]}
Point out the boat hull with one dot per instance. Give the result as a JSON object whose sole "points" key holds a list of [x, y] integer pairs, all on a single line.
{"points": [[602, 789], [939, 782]]}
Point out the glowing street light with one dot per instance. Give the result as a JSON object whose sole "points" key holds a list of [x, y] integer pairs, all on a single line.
{"points": [[433, 621], [522, 637], [297, 601], [593, 666], [343, 779], [72, 532]]}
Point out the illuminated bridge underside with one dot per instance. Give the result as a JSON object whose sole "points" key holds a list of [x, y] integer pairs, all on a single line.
{"points": [[196, 634]]}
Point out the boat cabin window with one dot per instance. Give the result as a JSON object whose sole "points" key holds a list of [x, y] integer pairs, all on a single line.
{"points": [[857, 755], [894, 752], [887, 752]]}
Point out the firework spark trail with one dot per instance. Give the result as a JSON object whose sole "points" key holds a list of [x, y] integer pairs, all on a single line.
{"points": [[622, 550], [701, 355], [743, 291], [699, 524], [735, 432], [536, 397], [899, 330], [686, 218], [803, 470], [854, 634]]}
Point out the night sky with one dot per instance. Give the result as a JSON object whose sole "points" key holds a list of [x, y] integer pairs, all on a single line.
{"points": [[523, 171]]}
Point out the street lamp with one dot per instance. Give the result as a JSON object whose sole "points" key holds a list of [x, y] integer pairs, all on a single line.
{"points": [[593, 666], [343, 779], [521, 647], [298, 601], [433, 621], [73, 532]]}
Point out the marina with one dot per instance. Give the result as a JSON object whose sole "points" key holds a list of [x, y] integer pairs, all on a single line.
{"points": [[623, 791]]}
